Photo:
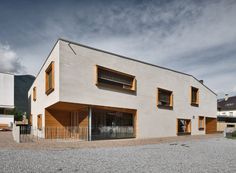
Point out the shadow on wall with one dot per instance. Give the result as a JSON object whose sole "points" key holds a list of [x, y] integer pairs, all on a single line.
{"points": [[118, 90]]}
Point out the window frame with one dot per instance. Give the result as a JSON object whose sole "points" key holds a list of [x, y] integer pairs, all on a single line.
{"points": [[34, 93], [201, 118], [133, 87], [39, 122], [30, 121], [50, 69], [170, 106], [197, 96]]}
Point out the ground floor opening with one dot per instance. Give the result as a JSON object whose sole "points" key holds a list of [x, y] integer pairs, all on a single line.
{"points": [[88, 122], [183, 127]]}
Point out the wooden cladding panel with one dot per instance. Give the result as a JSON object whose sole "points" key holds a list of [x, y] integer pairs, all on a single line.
{"points": [[83, 119], [211, 125], [54, 118], [2, 126], [30, 119], [135, 124], [65, 124], [39, 121]]}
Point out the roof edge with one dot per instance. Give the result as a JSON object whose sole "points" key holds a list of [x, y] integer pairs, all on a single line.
{"points": [[143, 62]]}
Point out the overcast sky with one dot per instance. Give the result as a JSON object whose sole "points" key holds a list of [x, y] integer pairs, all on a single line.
{"points": [[195, 37]]}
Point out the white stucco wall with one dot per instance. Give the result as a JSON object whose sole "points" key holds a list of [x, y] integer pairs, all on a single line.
{"points": [[7, 119], [6, 90], [42, 100], [77, 85]]}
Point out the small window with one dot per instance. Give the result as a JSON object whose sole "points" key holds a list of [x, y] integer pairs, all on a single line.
{"points": [[194, 96], [34, 94], [164, 98], [49, 78], [39, 122], [2, 111], [230, 125], [201, 123], [183, 127], [30, 119], [115, 79]]}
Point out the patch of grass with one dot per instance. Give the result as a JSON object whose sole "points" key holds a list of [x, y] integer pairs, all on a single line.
{"points": [[231, 138], [234, 134]]}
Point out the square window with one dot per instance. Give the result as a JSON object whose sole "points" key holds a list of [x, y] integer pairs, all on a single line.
{"points": [[164, 98]]}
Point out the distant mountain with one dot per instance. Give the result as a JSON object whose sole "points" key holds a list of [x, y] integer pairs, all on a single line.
{"points": [[22, 84]]}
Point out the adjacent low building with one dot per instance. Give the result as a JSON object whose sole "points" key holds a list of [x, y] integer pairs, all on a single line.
{"points": [[92, 94], [13, 97], [226, 112], [6, 100]]}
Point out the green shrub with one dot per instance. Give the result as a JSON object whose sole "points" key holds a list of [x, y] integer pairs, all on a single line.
{"points": [[234, 134]]}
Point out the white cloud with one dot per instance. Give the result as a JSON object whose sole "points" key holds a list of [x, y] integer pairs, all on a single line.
{"points": [[9, 61], [193, 37]]}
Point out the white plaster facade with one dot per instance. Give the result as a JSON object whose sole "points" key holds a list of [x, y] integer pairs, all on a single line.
{"points": [[6, 97], [7, 119], [6, 90], [75, 83]]}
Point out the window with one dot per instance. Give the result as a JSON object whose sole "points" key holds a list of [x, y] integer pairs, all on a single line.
{"points": [[30, 119], [115, 79], [34, 93], [2, 111], [230, 125], [164, 98], [49, 78], [183, 127], [194, 96], [39, 121], [201, 123], [6, 111]]}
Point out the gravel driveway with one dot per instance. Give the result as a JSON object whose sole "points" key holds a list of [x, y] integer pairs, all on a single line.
{"points": [[206, 155]]}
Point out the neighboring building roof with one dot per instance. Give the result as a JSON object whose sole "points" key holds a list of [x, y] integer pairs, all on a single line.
{"points": [[125, 58], [227, 104]]}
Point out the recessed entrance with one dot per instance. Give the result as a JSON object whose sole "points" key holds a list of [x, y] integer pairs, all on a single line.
{"points": [[87, 122], [183, 127]]}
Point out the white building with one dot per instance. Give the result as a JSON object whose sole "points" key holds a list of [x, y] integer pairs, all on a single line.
{"points": [[226, 112], [6, 99], [227, 106], [114, 96]]}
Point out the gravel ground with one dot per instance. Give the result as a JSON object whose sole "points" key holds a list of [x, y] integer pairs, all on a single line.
{"points": [[206, 155]]}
